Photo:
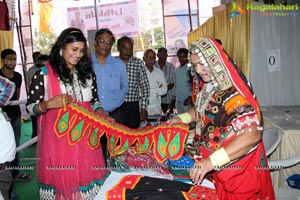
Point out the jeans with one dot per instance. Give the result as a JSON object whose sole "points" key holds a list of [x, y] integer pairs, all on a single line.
{"points": [[16, 124], [5, 183]]}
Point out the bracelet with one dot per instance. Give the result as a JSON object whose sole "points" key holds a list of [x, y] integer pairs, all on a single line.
{"points": [[64, 102], [33, 108], [219, 158], [43, 111], [185, 118]]}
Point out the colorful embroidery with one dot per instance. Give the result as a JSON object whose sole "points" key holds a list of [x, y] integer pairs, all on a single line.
{"points": [[7, 89], [75, 121], [235, 102], [198, 192]]}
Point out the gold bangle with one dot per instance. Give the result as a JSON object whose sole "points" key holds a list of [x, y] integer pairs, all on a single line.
{"points": [[219, 158], [185, 118], [64, 103]]}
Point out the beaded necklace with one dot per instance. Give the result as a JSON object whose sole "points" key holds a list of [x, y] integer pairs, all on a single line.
{"points": [[74, 88]]}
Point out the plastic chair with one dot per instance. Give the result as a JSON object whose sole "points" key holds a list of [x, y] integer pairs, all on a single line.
{"points": [[271, 139], [284, 163]]}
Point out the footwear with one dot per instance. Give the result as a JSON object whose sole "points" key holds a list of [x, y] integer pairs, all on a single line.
{"points": [[23, 177]]}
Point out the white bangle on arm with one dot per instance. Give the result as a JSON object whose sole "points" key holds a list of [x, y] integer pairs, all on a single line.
{"points": [[219, 158], [40, 108], [185, 118]]}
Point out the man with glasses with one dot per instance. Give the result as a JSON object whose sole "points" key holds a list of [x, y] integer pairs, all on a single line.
{"points": [[111, 76]]}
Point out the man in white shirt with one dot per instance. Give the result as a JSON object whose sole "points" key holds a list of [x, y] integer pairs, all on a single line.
{"points": [[7, 140], [167, 100], [157, 82]]}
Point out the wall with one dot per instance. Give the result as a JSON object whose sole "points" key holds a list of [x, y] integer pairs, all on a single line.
{"points": [[281, 86]]}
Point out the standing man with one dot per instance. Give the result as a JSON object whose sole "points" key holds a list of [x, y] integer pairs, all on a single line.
{"points": [[183, 82], [7, 141], [112, 81], [111, 75], [9, 60], [138, 85], [34, 68], [167, 100], [157, 82]]}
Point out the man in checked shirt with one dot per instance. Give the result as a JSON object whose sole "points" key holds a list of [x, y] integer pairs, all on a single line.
{"points": [[138, 85]]}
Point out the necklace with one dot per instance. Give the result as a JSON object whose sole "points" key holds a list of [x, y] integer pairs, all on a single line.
{"points": [[74, 88], [202, 100]]}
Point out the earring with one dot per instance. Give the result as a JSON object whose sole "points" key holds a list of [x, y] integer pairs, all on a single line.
{"points": [[60, 52]]}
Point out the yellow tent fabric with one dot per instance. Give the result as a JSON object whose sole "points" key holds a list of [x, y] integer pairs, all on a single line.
{"points": [[233, 32], [6, 41], [45, 14]]}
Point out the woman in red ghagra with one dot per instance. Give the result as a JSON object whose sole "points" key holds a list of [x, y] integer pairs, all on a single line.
{"points": [[229, 126]]}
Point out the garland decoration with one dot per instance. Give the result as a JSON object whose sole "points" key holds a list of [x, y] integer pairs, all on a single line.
{"points": [[76, 121]]}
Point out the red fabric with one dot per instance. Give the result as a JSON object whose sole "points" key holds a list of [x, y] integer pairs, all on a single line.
{"points": [[238, 82], [247, 176], [4, 17], [143, 187], [60, 165]]}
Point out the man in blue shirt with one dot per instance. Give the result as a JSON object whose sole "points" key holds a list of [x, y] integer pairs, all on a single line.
{"points": [[183, 82], [112, 81]]}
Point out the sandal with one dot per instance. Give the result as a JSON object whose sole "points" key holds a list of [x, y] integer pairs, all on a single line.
{"points": [[23, 177]]}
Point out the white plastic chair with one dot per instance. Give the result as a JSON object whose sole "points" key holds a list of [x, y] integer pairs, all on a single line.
{"points": [[271, 139]]}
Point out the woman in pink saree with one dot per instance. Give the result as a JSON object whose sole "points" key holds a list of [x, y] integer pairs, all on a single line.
{"points": [[66, 170]]}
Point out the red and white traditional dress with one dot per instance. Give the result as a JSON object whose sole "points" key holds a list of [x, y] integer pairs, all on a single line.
{"points": [[225, 107]]}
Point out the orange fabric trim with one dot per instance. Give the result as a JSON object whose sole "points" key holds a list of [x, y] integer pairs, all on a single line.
{"points": [[235, 102], [116, 194], [128, 182]]}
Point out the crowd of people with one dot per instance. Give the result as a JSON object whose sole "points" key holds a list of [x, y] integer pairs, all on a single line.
{"points": [[212, 93]]}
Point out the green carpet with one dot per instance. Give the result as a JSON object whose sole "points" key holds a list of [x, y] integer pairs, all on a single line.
{"points": [[27, 190]]}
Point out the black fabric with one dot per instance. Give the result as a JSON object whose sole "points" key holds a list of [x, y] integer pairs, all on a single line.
{"points": [[131, 114], [158, 189], [117, 115]]}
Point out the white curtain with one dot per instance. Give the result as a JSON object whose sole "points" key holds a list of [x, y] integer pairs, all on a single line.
{"points": [[278, 34]]}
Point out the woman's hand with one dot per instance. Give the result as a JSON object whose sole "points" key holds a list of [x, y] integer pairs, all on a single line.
{"points": [[200, 169], [105, 114], [102, 112], [59, 101], [173, 121]]}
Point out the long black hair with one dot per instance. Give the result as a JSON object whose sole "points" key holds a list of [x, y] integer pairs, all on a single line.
{"points": [[84, 67]]}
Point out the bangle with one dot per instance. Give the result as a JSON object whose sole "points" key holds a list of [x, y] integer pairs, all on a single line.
{"points": [[185, 118], [41, 108], [219, 158], [64, 102], [33, 108], [98, 107]]}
